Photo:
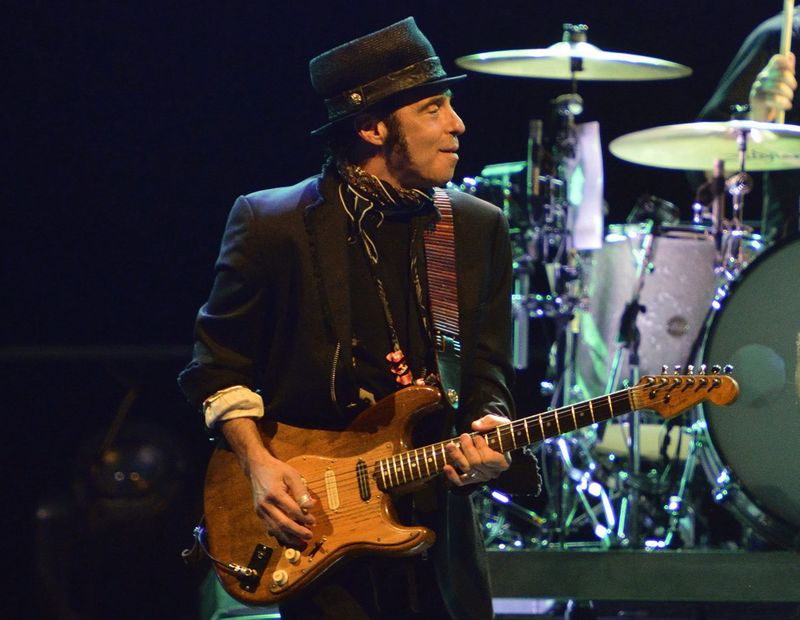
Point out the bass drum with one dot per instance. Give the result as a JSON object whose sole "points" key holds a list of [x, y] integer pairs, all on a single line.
{"points": [[748, 449]]}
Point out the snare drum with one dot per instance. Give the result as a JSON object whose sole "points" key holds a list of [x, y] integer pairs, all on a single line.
{"points": [[748, 449]]}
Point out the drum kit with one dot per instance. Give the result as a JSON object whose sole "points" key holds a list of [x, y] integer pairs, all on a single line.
{"points": [[656, 291]]}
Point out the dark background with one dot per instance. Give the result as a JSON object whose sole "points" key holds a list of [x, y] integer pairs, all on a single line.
{"points": [[132, 127]]}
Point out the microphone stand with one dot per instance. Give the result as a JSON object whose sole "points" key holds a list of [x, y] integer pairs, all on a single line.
{"points": [[629, 339]]}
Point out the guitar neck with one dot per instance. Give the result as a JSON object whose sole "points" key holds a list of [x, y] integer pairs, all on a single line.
{"points": [[428, 461]]}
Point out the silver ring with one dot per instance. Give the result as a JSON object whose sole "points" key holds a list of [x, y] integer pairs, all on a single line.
{"points": [[305, 498]]}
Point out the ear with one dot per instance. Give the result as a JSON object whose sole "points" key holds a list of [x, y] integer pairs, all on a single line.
{"points": [[371, 129]]}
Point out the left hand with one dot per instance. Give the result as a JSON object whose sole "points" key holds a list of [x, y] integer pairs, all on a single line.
{"points": [[471, 460]]}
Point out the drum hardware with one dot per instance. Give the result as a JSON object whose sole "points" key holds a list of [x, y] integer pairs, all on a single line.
{"points": [[678, 506], [628, 339], [746, 146], [548, 242], [665, 264], [504, 522]]}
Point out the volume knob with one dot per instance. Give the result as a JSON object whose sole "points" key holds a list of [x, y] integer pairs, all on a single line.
{"points": [[292, 555], [280, 577]]}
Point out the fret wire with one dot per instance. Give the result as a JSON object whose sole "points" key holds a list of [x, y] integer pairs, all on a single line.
{"points": [[527, 432], [398, 471], [396, 482], [591, 412], [383, 473], [541, 426], [574, 419], [410, 467], [512, 435]]}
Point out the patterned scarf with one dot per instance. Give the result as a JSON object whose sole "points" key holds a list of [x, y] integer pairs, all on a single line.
{"points": [[363, 195]]}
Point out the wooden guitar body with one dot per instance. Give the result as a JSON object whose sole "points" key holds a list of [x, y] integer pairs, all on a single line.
{"points": [[351, 519]]}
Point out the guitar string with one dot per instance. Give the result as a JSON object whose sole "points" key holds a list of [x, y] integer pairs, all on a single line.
{"points": [[351, 481], [396, 462]]}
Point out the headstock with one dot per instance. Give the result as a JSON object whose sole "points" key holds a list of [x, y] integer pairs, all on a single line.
{"points": [[671, 394]]}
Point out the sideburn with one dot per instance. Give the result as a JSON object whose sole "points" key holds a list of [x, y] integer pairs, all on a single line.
{"points": [[396, 146]]}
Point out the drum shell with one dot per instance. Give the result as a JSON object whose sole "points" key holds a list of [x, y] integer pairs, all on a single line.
{"points": [[748, 449], [676, 296]]}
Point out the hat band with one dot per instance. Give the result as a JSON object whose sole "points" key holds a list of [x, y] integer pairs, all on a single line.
{"points": [[367, 94]]}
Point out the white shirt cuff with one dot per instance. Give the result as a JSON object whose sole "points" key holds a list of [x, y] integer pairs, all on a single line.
{"points": [[236, 401]]}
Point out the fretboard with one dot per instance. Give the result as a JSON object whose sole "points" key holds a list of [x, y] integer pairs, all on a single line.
{"points": [[422, 463]]}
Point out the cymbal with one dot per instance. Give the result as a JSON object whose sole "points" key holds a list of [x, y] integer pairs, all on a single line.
{"points": [[554, 62], [695, 146]]}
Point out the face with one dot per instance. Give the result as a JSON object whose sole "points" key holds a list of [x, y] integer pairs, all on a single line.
{"points": [[420, 143]]}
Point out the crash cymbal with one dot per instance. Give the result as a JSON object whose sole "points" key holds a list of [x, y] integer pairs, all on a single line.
{"points": [[695, 146], [555, 62]]}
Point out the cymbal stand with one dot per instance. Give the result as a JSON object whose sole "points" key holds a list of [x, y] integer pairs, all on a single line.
{"points": [[578, 488], [677, 507], [738, 186]]}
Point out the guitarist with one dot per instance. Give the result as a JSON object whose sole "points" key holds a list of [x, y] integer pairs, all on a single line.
{"points": [[319, 307]]}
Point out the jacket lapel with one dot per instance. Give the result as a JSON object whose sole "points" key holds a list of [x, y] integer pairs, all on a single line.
{"points": [[327, 228]]}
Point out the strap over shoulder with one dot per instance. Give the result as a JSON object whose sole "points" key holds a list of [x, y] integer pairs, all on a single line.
{"points": [[440, 258]]}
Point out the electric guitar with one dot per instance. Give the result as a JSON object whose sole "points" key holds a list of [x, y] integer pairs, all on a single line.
{"points": [[353, 473]]}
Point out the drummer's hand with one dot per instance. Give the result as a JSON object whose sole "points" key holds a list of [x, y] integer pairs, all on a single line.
{"points": [[773, 88]]}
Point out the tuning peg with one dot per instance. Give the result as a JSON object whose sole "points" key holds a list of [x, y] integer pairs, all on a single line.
{"points": [[715, 369], [727, 369], [664, 369], [690, 369], [703, 368], [678, 370]]}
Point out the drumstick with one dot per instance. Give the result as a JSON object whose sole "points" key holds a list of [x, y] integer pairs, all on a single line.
{"points": [[786, 42]]}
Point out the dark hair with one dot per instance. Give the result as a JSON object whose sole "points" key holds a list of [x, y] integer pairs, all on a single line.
{"points": [[342, 140]]}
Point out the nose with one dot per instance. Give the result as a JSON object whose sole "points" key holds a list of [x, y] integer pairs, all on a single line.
{"points": [[457, 126]]}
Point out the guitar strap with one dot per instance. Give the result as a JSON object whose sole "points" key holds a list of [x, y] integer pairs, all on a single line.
{"points": [[440, 260]]}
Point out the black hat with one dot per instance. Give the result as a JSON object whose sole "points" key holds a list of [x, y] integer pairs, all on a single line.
{"points": [[356, 75]]}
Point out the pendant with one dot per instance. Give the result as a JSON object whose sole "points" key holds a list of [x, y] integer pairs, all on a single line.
{"points": [[399, 367]]}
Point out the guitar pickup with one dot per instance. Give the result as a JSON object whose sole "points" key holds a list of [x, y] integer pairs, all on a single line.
{"points": [[258, 562], [362, 475]]}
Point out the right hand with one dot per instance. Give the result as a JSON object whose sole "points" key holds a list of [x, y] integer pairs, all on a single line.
{"points": [[773, 88], [281, 500]]}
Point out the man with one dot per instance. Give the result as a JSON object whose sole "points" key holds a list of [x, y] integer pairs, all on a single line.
{"points": [[320, 305], [765, 80]]}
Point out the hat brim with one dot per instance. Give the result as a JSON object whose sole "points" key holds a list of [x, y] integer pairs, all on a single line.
{"points": [[415, 93]]}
